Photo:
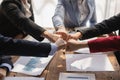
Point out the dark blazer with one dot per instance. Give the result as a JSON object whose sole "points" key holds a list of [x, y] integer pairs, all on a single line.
{"points": [[13, 20], [105, 27], [9, 46]]}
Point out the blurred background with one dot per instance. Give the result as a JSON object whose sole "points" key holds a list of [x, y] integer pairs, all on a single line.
{"points": [[44, 10]]}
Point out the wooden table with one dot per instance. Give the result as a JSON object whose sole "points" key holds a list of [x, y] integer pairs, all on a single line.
{"points": [[58, 64]]}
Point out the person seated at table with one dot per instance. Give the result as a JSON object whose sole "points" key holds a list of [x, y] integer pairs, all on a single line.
{"points": [[97, 45], [70, 15], [10, 46]]}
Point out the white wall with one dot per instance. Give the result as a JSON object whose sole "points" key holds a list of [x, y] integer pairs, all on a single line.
{"points": [[107, 8], [44, 10]]}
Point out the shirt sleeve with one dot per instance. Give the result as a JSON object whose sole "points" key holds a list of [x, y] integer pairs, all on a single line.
{"points": [[54, 48], [58, 18], [104, 44], [6, 63]]}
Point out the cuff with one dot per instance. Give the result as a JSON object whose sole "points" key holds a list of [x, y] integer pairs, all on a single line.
{"points": [[6, 63], [8, 67], [54, 48]]}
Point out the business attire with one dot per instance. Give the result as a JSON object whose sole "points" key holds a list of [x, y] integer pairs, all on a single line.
{"points": [[104, 44], [16, 17], [105, 27], [13, 20], [10, 46], [74, 13]]}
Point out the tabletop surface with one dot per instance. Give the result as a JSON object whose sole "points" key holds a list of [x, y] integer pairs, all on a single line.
{"points": [[58, 64]]}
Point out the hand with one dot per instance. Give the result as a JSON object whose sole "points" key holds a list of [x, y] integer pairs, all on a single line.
{"points": [[75, 36], [60, 43], [51, 37], [2, 73], [73, 44], [61, 31]]}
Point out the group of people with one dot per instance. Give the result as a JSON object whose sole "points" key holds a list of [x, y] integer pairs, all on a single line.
{"points": [[17, 19]]}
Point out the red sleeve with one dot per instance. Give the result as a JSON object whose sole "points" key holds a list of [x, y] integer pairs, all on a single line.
{"points": [[104, 44]]}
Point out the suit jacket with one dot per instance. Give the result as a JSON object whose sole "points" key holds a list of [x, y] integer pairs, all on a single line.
{"points": [[104, 27], [67, 14], [105, 44], [13, 20], [9, 46]]}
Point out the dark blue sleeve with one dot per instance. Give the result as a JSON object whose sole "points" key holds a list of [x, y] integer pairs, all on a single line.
{"points": [[9, 46]]}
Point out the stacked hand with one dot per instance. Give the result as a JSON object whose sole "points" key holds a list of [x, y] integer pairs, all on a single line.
{"points": [[71, 40], [64, 40], [51, 37]]}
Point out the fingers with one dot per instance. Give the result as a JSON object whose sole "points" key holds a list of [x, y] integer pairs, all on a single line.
{"points": [[60, 43], [68, 42], [63, 35]]}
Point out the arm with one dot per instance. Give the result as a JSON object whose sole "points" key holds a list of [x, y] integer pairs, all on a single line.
{"points": [[104, 44], [17, 17], [105, 27], [93, 19], [9, 46], [58, 18], [97, 45]]}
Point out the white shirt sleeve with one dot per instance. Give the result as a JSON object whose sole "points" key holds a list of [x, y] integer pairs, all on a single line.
{"points": [[6, 65]]}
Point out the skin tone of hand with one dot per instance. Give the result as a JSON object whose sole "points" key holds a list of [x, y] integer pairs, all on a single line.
{"points": [[71, 39], [62, 31], [2, 73], [60, 43], [51, 37], [24, 1], [75, 36], [77, 45]]}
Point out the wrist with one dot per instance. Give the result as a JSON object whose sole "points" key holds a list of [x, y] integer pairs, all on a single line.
{"points": [[79, 35], [61, 28], [83, 44], [54, 48], [45, 34]]}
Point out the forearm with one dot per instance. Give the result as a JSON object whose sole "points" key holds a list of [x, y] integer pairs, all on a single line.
{"points": [[104, 44], [17, 18], [83, 44], [105, 27], [58, 18], [11, 46]]}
